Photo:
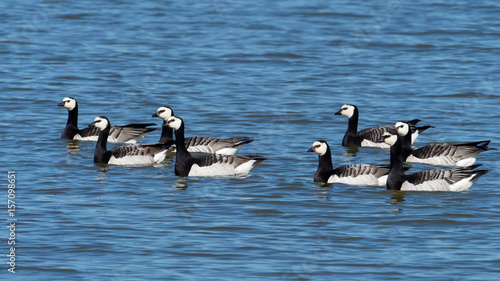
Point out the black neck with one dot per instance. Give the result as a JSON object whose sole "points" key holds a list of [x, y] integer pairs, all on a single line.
{"points": [[325, 167], [406, 149], [101, 153], [167, 134], [325, 160], [350, 137], [179, 141], [71, 125], [183, 159], [73, 117], [396, 173], [353, 122]]}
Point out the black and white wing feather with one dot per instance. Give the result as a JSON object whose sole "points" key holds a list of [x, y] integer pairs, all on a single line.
{"points": [[223, 165], [138, 154], [458, 179], [360, 174], [370, 136], [229, 146], [131, 133], [448, 154]]}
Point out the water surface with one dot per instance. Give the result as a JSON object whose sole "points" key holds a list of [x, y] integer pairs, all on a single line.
{"points": [[274, 71]]}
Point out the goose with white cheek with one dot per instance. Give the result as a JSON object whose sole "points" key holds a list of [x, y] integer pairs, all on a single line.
{"points": [[228, 146], [457, 179], [370, 136], [133, 154], [443, 154], [207, 165], [131, 133], [355, 174]]}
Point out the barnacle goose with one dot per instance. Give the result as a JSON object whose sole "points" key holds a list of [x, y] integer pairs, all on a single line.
{"points": [[131, 133], [210, 164], [443, 154], [355, 174], [369, 136], [457, 179], [201, 144], [131, 154]]}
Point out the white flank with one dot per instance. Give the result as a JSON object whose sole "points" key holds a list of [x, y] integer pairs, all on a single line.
{"points": [[245, 168], [228, 150], [440, 185], [414, 136], [220, 169], [467, 161], [217, 169], [78, 137], [434, 185], [159, 157], [132, 160], [382, 181], [359, 180], [374, 144], [463, 184]]}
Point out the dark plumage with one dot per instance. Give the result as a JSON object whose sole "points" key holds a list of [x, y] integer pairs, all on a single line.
{"points": [[356, 174], [133, 154], [444, 154], [203, 144], [369, 136], [131, 133], [208, 165], [458, 179]]}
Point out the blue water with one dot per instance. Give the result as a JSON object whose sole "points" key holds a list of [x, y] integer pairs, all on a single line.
{"points": [[276, 71]]}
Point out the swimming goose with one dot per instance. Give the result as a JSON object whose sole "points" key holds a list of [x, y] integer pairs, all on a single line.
{"points": [[211, 164], [200, 144], [443, 154], [457, 179], [131, 154], [369, 136], [356, 174], [131, 133]]}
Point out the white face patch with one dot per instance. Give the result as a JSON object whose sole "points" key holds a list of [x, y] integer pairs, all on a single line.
{"points": [[174, 122], [347, 110], [403, 128], [69, 103], [320, 148], [100, 123], [390, 139], [164, 113]]}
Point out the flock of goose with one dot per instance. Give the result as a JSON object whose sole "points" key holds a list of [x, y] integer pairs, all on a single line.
{"points": [[400, 139], [219, 157]]}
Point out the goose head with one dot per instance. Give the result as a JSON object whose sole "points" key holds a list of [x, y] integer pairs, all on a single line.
{"points": [[164, 112], [68, 103], [174, 122], [347, 110], [320, 147], [100, 122], [403, 128], [390, 137]]}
